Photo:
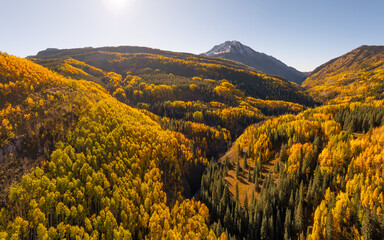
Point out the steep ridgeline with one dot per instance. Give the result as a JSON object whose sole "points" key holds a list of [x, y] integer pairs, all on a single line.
{"points": [[355, 76], [234, 50], [210, 100], [82, 165], [138, 60]]}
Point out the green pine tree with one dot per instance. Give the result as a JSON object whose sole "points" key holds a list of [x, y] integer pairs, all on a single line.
{"points": [[245, 162], [246, 201], [366, 227], [329, 226], [264, 233]]}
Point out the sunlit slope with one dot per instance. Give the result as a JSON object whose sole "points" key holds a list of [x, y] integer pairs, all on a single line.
{"points": [[37, 107], [355, 76], [105, 170], [135, 59]]}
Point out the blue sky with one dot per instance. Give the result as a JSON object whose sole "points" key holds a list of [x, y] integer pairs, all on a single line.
{"points": [[301, 33]]}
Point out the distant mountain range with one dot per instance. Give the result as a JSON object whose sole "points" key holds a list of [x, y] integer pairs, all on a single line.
{"points": [[236, 51]]}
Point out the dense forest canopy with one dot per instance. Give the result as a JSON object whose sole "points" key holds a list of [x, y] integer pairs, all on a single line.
{"points": [[316, 175], [211, 101], [139, 143], [112, 173]]}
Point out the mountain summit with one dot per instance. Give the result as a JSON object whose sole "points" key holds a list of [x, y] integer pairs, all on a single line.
{"points": [[230, 46], [236, 51]]}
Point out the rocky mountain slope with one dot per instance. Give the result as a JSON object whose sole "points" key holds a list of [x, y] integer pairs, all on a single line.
{"points": [[236, 51]]}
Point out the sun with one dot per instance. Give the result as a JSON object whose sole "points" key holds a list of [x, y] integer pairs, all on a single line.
{"points": [[117, 6]]}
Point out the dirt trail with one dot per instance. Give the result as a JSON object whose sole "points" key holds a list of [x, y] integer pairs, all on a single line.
{"points": [[243, 184]]}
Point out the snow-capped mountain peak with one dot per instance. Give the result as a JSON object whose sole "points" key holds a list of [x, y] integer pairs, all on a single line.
{"points": [[236, 51], [230, 46]]}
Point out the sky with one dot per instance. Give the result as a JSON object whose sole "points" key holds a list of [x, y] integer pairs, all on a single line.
{"points": [[302, 33]]}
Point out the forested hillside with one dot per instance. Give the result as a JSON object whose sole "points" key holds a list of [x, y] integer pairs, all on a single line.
{"points": [[139, 143], [37, 108], [355, 76], [92, 167], [317, 175], [211, 101], [122, 60]]}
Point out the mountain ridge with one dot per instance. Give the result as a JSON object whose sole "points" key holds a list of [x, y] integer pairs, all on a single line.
{"points": [[355, 75], [129, 58], [236, 51]]}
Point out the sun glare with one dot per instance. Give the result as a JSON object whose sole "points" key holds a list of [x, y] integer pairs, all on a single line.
{"points": [[117, 6]]}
